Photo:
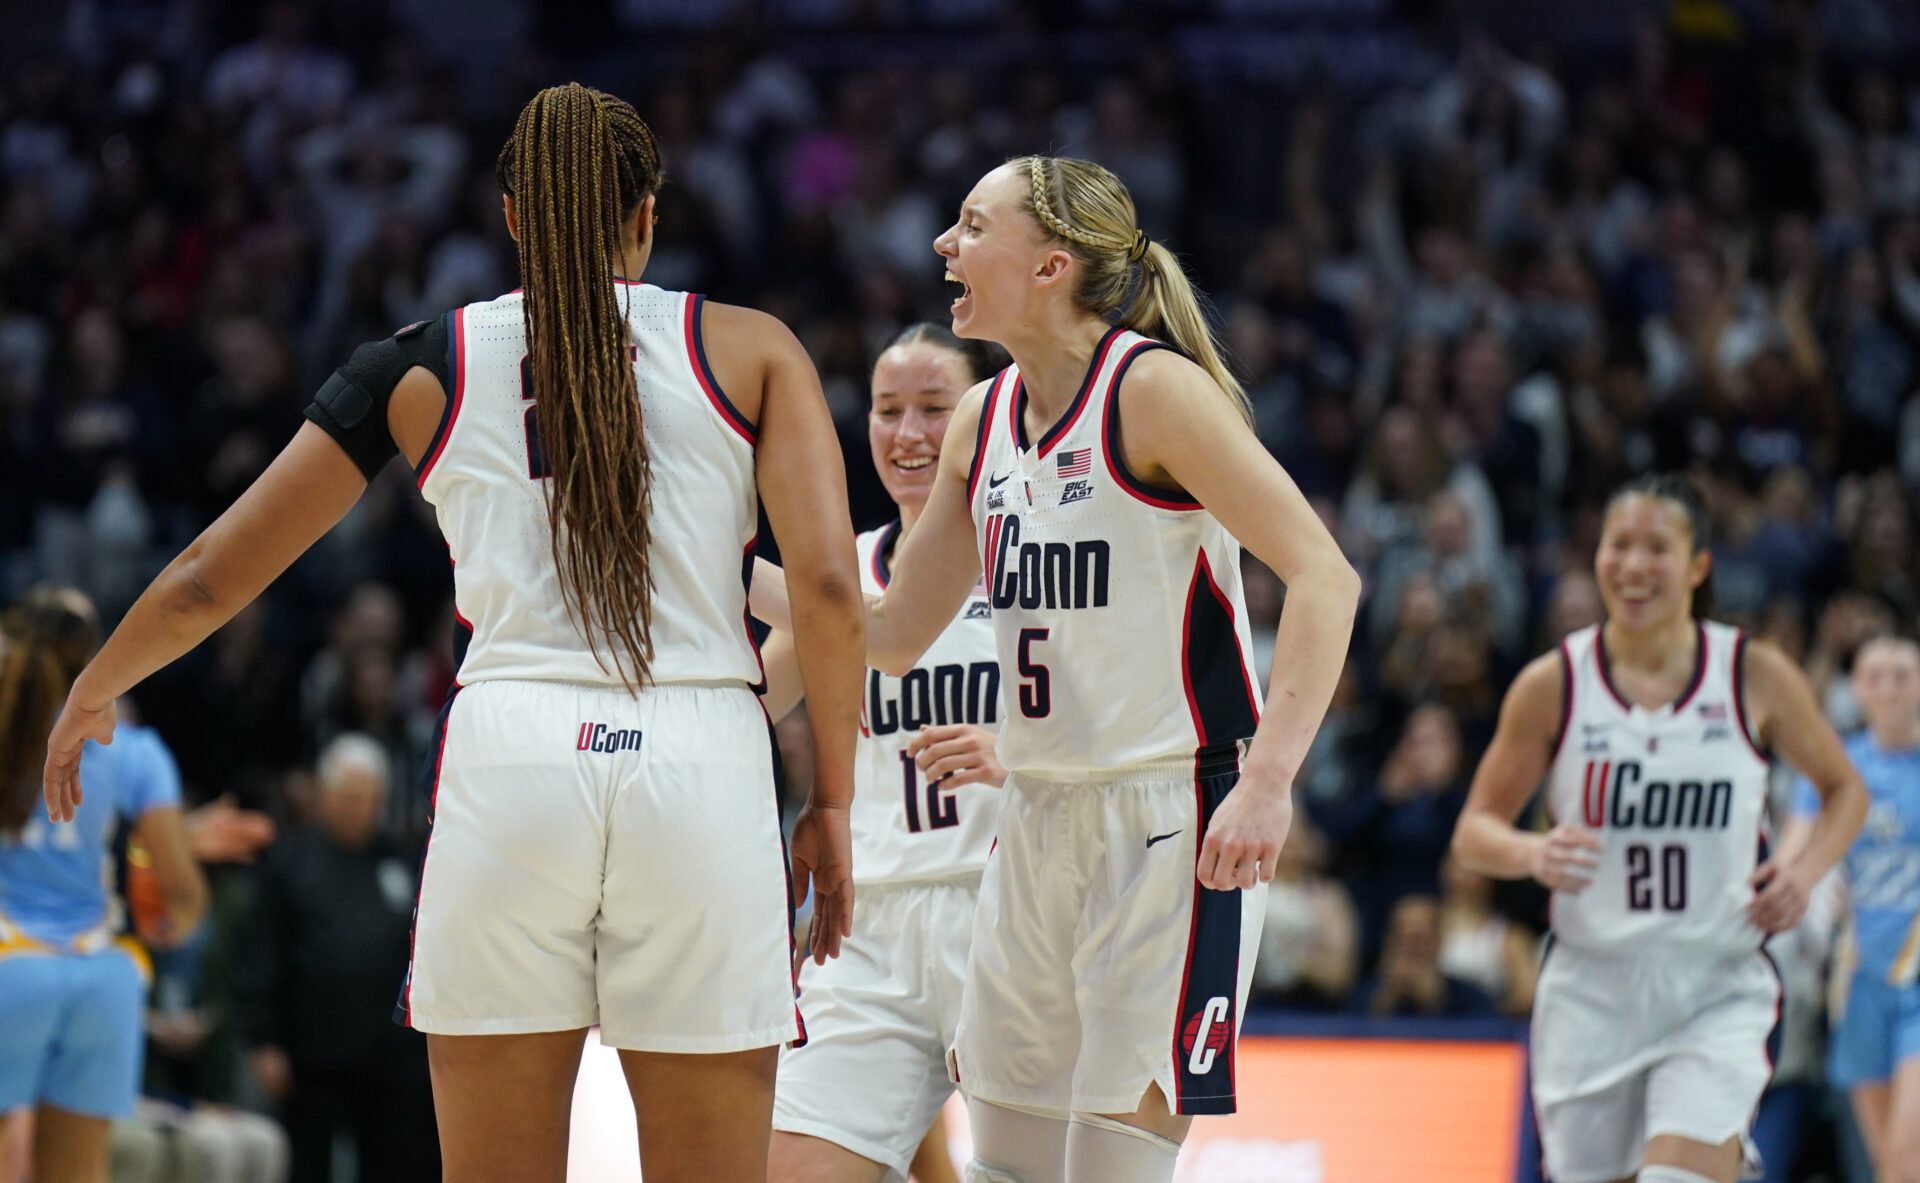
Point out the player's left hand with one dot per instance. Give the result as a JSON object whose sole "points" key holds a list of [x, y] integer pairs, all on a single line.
{"points": [[823, 854], [1248, 829], [60, 779], [1780, 897], [959, 751]]}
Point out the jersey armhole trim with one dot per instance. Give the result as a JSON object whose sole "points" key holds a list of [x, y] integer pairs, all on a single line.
{"points": [[457, 369], [980, 433], [1566, 703], [1138, 489], [703, 373], [1740, 698], [877, 561]]}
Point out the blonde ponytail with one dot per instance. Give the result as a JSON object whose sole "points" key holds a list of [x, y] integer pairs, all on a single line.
{"points": [[1125, 278]]}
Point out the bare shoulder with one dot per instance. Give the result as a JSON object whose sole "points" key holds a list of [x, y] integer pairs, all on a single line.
{"points": [[1165, 388], [1767, 670], [744, 348], [1537, 697], [963, 431]]}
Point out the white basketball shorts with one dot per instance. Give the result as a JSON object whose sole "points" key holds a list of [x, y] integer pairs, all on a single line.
{"points": [[1099, 964], [1627, 1047], [600, 858], [880, 1017]]}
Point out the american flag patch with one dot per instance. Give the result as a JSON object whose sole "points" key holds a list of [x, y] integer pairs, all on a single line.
{"points": [[1714, 711], [1078, 462]]}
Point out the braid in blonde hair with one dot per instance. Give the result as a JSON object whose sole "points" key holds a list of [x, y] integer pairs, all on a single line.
{"points": [[1125, 277]]}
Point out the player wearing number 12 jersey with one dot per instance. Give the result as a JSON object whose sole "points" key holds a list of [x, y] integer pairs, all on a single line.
{"points": [[1655, 1010], [851, 1106]]}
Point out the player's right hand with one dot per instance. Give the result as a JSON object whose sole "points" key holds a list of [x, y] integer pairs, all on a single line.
{"points": [[823, 854], [1566, 858], [78, 723]]}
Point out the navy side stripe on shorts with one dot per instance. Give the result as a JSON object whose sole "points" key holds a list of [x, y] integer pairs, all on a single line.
{"points": [[1208, 1019]]}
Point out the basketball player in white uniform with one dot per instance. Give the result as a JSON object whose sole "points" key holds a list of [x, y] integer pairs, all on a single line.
{"points": [[851, 1106], [1103, 484], [1654, 1015], [606, 844]]}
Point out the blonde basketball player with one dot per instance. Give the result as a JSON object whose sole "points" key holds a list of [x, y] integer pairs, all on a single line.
{"points": [[1104, 483], [851, 1106], [1653, 1019], [606, 845]]}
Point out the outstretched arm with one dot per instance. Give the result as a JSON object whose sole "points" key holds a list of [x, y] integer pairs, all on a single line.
{"points": [[308, 488]]}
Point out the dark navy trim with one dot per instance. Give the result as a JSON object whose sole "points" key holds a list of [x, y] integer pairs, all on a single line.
{"points": [[1693, 683], [703, 370], [1110, 443], [882, 568], [1212, 970], [1072, 414], [980, 433], [1566, 701], [430, 777], [1740, 698], [456, 369], [786, 872], [1213, 668], [746, 612]]}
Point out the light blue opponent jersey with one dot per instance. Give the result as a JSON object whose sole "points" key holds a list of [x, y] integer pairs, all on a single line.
{"points": [[56, 881], [1883, 865]]}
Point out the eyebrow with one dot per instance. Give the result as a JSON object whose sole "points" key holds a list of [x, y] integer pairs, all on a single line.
{"points": [[974, 210]]}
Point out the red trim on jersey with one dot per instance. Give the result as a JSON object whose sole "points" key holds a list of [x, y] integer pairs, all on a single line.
{"points": [[1740, 696], [1053, 435], [1203, 567], [1566, 702], [459, 394], [981, 432], [1109, 442], [990, 545], [710, 385], [1686, 695]]}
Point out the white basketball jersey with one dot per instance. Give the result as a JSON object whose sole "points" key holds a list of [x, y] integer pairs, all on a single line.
{"points": [[1117, 606], [1678, 796], [483, 473], [905, 829]]}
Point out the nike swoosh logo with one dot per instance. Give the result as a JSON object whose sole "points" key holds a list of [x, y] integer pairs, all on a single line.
{"points": [[994, 482], [1160, 838]]}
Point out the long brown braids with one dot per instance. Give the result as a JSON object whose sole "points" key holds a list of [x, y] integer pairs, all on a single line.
{"points": [[577, 165], [45, 641]]}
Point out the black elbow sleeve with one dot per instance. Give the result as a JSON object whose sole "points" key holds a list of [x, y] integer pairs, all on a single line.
{"points": [[351, 406]]}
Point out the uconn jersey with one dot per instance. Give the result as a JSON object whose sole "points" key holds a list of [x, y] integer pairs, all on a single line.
{"points": [[485, 474], [1117, 606], [1677, 795], [903, 827]]}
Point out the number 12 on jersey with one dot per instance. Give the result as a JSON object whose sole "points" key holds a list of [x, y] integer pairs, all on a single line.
{"points": [[942, 809]]}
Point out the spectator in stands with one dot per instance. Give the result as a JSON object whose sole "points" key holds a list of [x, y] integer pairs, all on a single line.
{"points": [[1410, 982], [1309, 945], [329, 948]]}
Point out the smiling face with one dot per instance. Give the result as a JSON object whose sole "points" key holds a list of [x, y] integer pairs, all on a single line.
{"points": [[1647, 565], [997, 256], [915, 387]]}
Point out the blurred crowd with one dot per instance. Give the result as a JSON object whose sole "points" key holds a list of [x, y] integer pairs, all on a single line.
{"points": [[1472, 284]]}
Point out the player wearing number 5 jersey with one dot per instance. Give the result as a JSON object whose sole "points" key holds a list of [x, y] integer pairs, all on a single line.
{"points": [[606, 844], [1653, 1020], [851, 1106], [1102, 486]]}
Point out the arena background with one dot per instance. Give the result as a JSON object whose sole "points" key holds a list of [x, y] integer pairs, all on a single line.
{"points": [[1477, 263]]}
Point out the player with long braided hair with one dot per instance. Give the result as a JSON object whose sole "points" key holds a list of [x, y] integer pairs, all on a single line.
{"points": [[606, 841]]}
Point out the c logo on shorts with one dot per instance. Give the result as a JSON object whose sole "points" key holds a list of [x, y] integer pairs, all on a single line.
{"points": [[1206, 1035]]}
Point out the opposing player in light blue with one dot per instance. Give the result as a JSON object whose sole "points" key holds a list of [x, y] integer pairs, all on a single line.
{"points": [[1875, 1054], [72, 988]]}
